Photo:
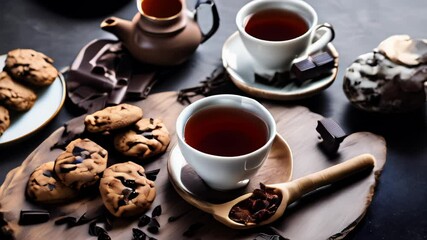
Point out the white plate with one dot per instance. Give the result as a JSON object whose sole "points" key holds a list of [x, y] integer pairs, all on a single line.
{"points": [[239, 65], [49, 101]]}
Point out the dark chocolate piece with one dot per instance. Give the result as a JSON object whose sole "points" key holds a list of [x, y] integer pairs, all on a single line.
{"points": [[95, 230], [264, 78], [140, 84], [138, 234], [91, 68], [104, 73], [313, 67], [117, 95], [279, 79], [153, 226], [331, 133], [29, 217], [157, 211], [144, 220], [152, 175]]}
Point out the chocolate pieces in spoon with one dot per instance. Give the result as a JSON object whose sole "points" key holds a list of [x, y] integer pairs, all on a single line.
{"points": [[260, 206]]}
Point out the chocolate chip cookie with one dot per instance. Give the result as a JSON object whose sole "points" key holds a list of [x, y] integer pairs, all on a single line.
{"points": [[125, 190], [112, 118], [4, 119], [14, 95], [81, 164], [147, 138], [30, 66], [43, 187]]}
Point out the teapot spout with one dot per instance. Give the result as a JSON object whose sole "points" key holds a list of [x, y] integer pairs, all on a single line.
{"points": [[119, 27]]}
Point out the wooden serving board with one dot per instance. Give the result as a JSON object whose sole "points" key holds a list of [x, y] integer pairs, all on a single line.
{"points": [[331, 212]]}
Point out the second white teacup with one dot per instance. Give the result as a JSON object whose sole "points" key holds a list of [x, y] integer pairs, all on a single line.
{"points": [[276, 32], [225, 138]]}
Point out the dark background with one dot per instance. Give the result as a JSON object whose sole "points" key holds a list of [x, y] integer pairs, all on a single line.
{"points": [[61, 28]]}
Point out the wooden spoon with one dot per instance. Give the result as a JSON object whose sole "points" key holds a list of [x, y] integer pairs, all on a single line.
{"points": [[290, 191]]}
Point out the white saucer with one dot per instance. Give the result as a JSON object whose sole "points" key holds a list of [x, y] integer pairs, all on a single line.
{"points": [[175, 163], [239, 65], [192, 188], [48, 103]]}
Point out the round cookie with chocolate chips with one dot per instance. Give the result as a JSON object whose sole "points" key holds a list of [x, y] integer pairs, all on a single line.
{"points": [[31, 66], [81, 164], [112, 118], [147, 138], [43, 187], [125, 190], [15, 95], [4, 119]]}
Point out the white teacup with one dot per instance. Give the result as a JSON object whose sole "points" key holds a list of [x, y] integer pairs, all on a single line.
{"points": [[218, 171], [278, 55]]}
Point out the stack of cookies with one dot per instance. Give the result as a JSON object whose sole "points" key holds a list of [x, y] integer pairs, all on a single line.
{"points": [[25, 71], [124, 187]]}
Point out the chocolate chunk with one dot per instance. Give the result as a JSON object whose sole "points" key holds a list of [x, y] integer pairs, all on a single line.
{"points": [[29, 217], [313, 67], [95, 230], [153, 226], [78, 150], [324, 60], [67, 170], [138, 234], [151, 175], [265, 79], [157, 211], [47, 173], [104, 236], [117, 95], [279, 79], [140, 84], [6, 233], [331, 134], [130, 183], [144, 220], [148, 135], [51, 186]]}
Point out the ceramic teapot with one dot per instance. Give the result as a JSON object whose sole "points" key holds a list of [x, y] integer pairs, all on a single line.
{"points": [[163, 32]]}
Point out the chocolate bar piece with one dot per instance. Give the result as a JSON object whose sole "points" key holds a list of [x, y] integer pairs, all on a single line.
{"points": [[331, 133], [279, 79], [29, 217], [313, 67]]}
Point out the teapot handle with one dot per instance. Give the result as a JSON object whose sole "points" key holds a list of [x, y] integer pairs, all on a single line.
{"points": [[215, 25]]}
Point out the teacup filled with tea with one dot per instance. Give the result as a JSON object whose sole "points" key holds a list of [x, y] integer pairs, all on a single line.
{"points": [[276, 32], [225, 139]]}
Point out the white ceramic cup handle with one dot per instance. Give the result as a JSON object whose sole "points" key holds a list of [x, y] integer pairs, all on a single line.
{"points": [[326, 37]]}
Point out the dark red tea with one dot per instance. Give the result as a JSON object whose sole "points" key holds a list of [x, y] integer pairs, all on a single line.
{"points": [[276, 25], [225, 131], [161, 8]]}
